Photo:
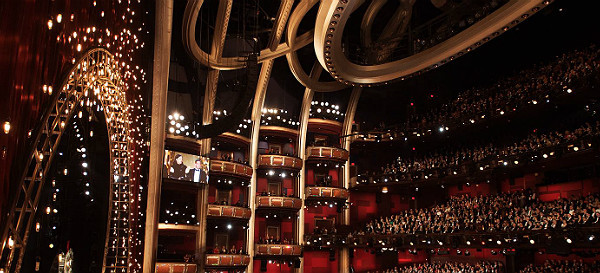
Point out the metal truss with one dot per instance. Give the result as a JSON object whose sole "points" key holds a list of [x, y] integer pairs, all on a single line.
{"points": [[94, 77]]}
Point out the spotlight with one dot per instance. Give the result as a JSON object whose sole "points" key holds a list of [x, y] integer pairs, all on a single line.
{"points": [[592, 237]]}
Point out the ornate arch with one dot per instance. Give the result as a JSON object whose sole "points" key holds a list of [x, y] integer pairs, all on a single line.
{"points": [[94, 77]]}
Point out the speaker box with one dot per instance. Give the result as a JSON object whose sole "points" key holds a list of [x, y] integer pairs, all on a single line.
{"points": [[263, 266], [297, 263]]}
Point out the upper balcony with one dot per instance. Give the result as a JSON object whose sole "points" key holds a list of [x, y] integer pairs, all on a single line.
{"points": [[228, 212], [230, 168], [326, 193], [326, 153], [279, 161], [278, 202], [223, 261], [270, 250]]}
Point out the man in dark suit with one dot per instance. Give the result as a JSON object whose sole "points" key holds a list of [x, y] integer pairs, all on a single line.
{"points": [[196, 174]]}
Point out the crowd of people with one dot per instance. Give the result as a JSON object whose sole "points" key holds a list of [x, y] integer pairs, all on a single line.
{"points": [[447, 267], [225, 250], [538, 84], [534, 142], [560, 266], [506, 212], [274, 240], [226, 203]]}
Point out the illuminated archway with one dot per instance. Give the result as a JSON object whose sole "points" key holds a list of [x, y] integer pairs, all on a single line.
{"points": [[95, 78]]}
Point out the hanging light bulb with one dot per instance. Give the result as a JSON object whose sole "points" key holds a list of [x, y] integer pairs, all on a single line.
{"points": [[6, 127]]}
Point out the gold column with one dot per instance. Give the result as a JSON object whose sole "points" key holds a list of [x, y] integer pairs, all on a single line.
{"points": [[344, 255], [210, 93], [162, 53]]}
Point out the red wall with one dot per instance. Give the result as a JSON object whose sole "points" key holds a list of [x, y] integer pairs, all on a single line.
{"points": [[364, 260], [275, 266], [363, 206], [318, 262], [320, 211], [567, 190], [262, 183], [286, 227], [310, 176], [472, 190], [541, 258], [398, 203], [526, 182]]}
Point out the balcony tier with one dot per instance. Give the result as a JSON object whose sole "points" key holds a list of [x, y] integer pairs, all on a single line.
{"points": [[223, 211], [279, 161], [278, 131], [175, 268], [227, 260], [268, 202], [182, 227], [326, 193], [230, 168], [324, 126], [277, 250], [326, 153]]}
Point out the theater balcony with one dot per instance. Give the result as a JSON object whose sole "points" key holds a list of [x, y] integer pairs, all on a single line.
{"points": [[228, 212], [326, 193], [172, 267], [277, 250], [278, 203], [326, 153], [177, 227], [279, 161], [324, 126], [221, 167], [227, 261]]}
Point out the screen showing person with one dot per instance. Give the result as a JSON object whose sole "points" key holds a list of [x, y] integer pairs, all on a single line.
{"points": [[187, 167]]}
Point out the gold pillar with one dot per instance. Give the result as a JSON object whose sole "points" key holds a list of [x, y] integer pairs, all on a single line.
{"points": [[344, 255], [162, 53]]}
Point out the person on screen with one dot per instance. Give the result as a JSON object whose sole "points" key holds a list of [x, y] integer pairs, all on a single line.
{"points": [[177, 170], [195, 174]]}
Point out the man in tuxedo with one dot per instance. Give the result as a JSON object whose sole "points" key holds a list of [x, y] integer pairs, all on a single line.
{"points": [[196, 174]]}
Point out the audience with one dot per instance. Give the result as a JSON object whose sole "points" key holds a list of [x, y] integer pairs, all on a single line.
{"points": [[534, 142], [551, 266], [520, 211], [273, 240], [537, 84], [447, 267], [225, 250]]}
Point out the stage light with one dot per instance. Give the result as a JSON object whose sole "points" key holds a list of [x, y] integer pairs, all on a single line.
{"points": [[6, 127]]}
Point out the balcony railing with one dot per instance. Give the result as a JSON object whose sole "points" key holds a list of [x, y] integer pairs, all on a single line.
{"points": [[229, 212], [230, 168], [291, 203], [327, 193], [531, 239], [277, 250], [186, 227], [326, 153], [279, 161], [227, 260], [175, 268]]}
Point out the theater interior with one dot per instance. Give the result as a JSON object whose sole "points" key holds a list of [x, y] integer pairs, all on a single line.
{"points": [[299, 136]]}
